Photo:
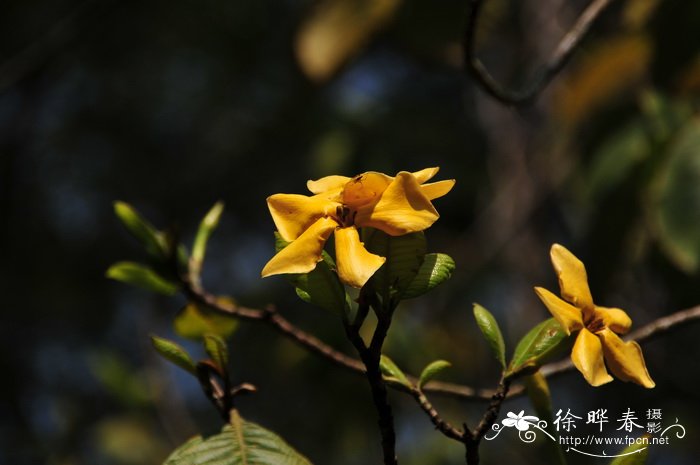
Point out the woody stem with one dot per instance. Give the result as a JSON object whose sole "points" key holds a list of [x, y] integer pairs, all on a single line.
{"points": [[473, 438], [370, 356]]}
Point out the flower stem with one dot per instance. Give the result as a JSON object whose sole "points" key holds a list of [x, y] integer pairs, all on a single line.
{"points": [[370, 356]]}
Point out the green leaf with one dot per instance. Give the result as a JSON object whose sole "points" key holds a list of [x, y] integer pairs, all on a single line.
{"points": [[676, 201], [431, 371], [174, 353], [206, 227], [321, 286], [393, 372], [280, 243], [217, 351], [142, 276], [239, 443], [404, 256], [435, 269], [193, 322], [638, 454], [489, 328], [153, 240], [539, 343]]}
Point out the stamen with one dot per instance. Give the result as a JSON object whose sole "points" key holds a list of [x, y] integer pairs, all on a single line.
{"points": [[596, 325], [346, 217]]}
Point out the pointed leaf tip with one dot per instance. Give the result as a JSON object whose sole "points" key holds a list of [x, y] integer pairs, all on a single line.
{"points": [[216, 348], [152, 240], [391, 370], [174, 353], [141, 276], [206, 228], [491, 331], [431, 371]]}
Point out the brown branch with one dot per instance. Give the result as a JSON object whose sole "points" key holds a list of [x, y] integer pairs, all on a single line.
{"points": [[473, 438], [369, 366], [492, 411], [371, 358], [562, 53], [441, 425], [315, 345]]}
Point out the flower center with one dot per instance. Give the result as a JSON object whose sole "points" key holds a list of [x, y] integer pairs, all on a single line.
{"points": [[594, 321], [344, 216]]}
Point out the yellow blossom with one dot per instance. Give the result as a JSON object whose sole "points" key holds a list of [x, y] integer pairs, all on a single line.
{"points": [[598, 343], [396, 205]]}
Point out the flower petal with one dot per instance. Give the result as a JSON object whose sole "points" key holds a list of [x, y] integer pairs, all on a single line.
{"points": [[625, 359], [327, 183], [437, 189], [615, 318], [509, 422], [426, 174], [355, 264], [365, 189], [572, 277], [402, 208], [293, 213], [587, 356], [302, 254], [568, 316]]}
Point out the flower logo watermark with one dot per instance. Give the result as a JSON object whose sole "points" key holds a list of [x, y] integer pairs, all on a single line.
{"points": [[565, 425]]}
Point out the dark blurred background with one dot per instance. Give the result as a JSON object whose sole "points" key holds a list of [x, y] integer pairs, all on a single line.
{"points": [[172, 105]]}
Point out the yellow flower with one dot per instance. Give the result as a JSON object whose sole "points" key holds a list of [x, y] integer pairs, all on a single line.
{"points": [[396, 205], [597, 343]]}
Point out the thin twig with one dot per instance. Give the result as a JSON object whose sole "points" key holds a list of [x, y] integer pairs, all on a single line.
{"points": [[472, 439], [492, 411], [315, 345], [556, 62], [441, 425]]}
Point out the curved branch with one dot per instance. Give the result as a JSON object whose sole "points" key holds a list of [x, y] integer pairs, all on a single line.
{"points": [[441, 425], [556, 62], [315, 345]]}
